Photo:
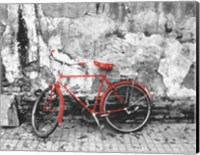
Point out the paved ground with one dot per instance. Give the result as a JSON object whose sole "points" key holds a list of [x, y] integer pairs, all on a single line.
{"points": [[76, 135]]}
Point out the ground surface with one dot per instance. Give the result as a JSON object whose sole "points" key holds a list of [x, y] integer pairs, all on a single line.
{"points": [[77, 135]]}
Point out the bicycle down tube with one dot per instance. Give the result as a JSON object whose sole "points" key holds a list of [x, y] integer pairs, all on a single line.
{"points": [[103, 80]]}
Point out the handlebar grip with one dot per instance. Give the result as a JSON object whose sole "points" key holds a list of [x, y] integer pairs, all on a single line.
{"points": [[82, 63], [51, 57], [52, 51]]}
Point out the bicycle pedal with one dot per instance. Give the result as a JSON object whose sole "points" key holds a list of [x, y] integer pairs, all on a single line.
{"points": [[127, 111], [101, 127], [104, 115]]}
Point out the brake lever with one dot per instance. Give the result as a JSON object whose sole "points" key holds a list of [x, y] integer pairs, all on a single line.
{"points": [[51, 57]]}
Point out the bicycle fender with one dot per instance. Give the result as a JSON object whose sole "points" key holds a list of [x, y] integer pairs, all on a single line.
{"points": [[120, 83], [61, 110], [144, 89]]}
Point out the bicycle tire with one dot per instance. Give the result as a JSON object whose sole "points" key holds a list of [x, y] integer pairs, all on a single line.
{"points": [[117, 120], [38, 112]]}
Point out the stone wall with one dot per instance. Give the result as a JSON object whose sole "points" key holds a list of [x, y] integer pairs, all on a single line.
{"points": [[151, 42]]}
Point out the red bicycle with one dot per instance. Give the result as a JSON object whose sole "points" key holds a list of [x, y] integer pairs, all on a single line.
{"points": [[125, 104]]}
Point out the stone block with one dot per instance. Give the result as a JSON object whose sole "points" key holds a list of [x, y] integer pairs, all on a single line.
{"points": [[68, 10], [9, 113]]}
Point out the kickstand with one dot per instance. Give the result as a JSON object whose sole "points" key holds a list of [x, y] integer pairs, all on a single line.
{"points": [[97, 121]]}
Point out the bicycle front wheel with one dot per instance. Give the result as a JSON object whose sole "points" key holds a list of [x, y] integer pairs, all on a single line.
{"points": [[45, 112], [136, 105]]}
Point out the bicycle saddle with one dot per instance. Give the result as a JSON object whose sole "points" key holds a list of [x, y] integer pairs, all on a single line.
{"points": [[104, 66]]}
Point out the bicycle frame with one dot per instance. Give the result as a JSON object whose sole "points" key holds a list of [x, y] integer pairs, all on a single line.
{"points": [[93, 110]]}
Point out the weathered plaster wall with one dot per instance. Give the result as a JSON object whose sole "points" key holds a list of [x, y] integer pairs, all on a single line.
{"points": [[152, 42]]}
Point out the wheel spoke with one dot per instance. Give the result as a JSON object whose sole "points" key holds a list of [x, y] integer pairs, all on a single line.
{"points": [[135, 102], [137, 107]]}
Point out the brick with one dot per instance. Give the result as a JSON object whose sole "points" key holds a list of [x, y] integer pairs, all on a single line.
{"points": [[129, 148], [55, 146], [9, 145], [152, 148], [161, 149], [122, 147], [167, 148], [34, 144], [26, 145], [92, 147], [69, 147], [20, 145]]}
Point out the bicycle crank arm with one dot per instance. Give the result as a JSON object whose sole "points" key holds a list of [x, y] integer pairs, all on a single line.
{"points": [[131, 111]]}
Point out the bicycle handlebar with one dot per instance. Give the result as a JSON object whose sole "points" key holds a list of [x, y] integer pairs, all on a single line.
{"points": [[51, 57], [70, 64]]}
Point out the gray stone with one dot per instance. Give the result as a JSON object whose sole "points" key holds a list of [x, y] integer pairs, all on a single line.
{"points": [[29, 15], [9, 113], [3, 12], [187, 29], [68, 10], [175, 66], [9, 51]]}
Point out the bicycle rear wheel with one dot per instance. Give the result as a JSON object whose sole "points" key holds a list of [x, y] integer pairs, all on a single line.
{"points": [[137, 108], [45, 112]]}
